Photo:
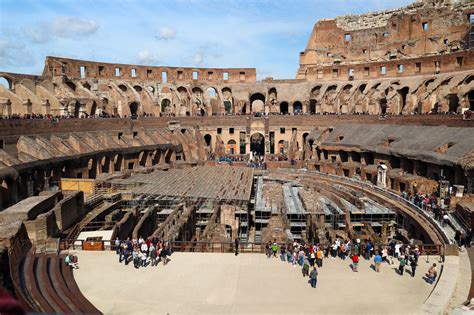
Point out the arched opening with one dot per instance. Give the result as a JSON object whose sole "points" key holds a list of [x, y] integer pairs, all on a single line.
{"points": [[138, 88], [227, 95], [208, 139], [165, 103], [142, 157], [297, 108], [202, 111], [453, 102], [7, 83], [383, 106], [134, 109], [283, 108], [470, 99], [403, 94], [362, 88], [122, 87], [315, 91], [93, 108], [281, 147], [257, 144], [257, 102], [312, 107], [231, 147], [77, 108], [211, 92], [469, 79]]}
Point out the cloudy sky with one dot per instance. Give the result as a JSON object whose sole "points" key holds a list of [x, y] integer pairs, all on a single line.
{"points": [[265, 34]]}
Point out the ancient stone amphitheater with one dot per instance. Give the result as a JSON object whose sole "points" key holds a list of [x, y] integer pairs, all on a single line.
{"points": [[379, 112]]}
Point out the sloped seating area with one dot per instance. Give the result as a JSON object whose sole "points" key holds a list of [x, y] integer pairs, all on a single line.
{"points": [[47, 285]]}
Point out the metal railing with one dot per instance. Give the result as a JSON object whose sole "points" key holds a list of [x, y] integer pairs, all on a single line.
{"points": [[389, 194], [229, 247]]}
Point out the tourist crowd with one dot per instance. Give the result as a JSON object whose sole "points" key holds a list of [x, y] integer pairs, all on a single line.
{"points": [[310, 257], [143, 252]]}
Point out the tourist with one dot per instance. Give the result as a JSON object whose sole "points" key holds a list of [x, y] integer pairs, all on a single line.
{"points": [[71, 261], [432, 273], [274, 248], [385, 254], [117, 246], [283, 252], [334, 251], [153, 255], [319, 257], [445, 219], [289, 253], [143, 257], [313, 277], [305, 269], [413, 266], [355, 262], [397, 250], [135, 258], [236, 246], [377, 262], [144, 248], [401, 267], [416, 253], [301, 255]]}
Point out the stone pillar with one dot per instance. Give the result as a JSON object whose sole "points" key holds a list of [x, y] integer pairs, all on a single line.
{"points": [[382, 176], [29, 188], [46, 183]]}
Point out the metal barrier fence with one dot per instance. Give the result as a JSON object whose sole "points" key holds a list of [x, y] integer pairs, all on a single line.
{"points": [[220, 247]]}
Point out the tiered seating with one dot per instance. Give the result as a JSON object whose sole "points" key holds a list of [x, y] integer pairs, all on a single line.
{"points": [[48, 286]]}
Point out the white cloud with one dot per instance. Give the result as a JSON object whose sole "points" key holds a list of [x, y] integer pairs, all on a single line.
{"points": [[72, 27], [198, 59], [146, 57], [166, 33], [15, 54], [63, 27]]}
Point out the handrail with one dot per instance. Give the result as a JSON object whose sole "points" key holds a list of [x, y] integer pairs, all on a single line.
{"points": [[227, 247]]}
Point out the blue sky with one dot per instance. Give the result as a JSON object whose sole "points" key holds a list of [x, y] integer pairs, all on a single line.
{"points": [[265, 34]]}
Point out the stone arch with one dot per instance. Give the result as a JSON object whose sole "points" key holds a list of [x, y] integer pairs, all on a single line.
{"points": [[134, 109], [470, 99], [228, 100], [453, 102], [164, 104], [297, 107], [77, 109], [257, 143], [403, 95], [6, 82], [138, 88], [231, 147], [315, 91], [118, 159], [93, 108], [383, 106], [142, 158], [208, 140], [211, 92], [92, 168], [312, 106], [257, 102]]}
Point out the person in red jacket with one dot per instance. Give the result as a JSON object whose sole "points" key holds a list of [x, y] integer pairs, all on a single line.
{"points": [[355, 262]]}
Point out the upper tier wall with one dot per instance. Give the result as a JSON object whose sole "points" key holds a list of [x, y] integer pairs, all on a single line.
{"points": [[77, 69]]}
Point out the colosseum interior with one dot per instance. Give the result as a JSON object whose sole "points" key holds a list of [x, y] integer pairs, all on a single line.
{"points": [[379, 112]]}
